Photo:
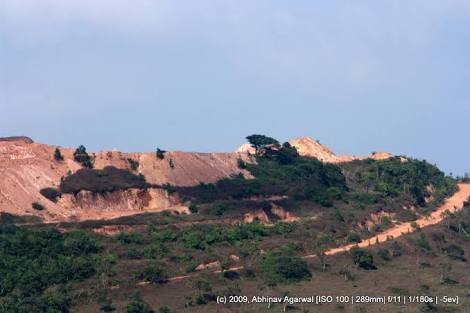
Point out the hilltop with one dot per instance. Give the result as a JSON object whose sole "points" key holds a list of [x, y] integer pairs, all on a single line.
{"points": [[27, 167], [174, 230]]}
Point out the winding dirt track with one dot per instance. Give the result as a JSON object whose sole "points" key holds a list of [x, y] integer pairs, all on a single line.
{"points": [[452, 204]]}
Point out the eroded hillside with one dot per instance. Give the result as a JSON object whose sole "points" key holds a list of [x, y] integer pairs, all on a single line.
{"points": [[27, 167]]}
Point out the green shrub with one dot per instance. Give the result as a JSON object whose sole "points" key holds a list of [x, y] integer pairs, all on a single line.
{"points": [[164, 309], [354, 237], [422, 242], [397, 249], [384, 254], [155, 274], [100, 181], [58, 155], [455, 252], [193, 208], [38, 206], [362, 258], [241, 164], [78, 243], [133, 164], [50, 193], [130, 238], [36, 263], [282, 265], [138, 306], [81, 156], [160, 154]]}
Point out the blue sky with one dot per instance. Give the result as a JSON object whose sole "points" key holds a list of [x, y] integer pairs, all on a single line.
{"points": [[360, 76]]}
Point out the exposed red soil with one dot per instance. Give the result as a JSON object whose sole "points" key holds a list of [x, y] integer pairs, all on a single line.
{"points": [[26, 168]]}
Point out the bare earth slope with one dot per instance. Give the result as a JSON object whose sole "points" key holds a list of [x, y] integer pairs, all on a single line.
{"points": [[312, 148], [309, 147], [26, 168]]}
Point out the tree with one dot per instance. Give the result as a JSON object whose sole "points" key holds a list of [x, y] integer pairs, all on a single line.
{"points": [[363, 258], [283, 266], [160, 154], [154, 274], [138, 306], [58, 155], [81, 156], [50, 193], [38, 206], [260, 142]]}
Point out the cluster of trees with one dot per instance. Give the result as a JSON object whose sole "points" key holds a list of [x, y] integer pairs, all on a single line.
{"points": [[283, 265], [199, 237], [32, 262], [279, 170], [81, 156], [399, 177], [100, 181]]}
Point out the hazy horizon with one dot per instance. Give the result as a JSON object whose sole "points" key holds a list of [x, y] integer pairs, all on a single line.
{"points": [[201, 76]]}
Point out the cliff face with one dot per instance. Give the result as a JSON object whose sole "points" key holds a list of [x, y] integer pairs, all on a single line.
{"points": [[27, 167]]}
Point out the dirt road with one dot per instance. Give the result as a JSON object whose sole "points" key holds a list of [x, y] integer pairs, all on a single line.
{"points": [[452, 204]]}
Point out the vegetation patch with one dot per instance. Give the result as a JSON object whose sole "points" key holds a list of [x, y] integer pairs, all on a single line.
{"points": [[81, 156], [100, 181], [33, 262], [50, 193], [282, 265], [38, 206]]}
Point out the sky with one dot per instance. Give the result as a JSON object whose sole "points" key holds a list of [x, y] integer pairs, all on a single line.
{"points": [[359, 76]]}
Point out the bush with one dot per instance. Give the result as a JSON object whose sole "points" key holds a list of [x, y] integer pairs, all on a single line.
{"points": [[130, 238], [422, 242], [193, 208], [35, 263], [354, 237], [58, 155], [164, 309], [138, 306], [455, 252], [81, 156], [241, 164], [78, 243], [38, 206], [154, 274], [160, 154], [50, 193], [133, 164], [363, 258], [283, 266], [100, 181], [384, 254]]}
